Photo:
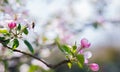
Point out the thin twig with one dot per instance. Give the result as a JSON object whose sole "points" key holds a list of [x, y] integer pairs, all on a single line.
{"points": [[60, 63], [39, 59]]}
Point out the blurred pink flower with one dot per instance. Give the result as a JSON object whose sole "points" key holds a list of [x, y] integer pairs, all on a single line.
{"points": [[94, 67], [80, 51], [85, 43], [86, 61], [12, 25]]}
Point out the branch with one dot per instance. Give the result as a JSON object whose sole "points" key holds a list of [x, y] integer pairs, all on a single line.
{"points": [[39, 59], [60, 63]]}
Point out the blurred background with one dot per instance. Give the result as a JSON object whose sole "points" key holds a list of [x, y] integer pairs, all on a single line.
{"points": [[70, 20]]}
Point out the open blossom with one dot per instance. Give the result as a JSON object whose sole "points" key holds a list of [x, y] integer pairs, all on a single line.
{"points": [[87, 55], [85, 43], [12, 25], [94, 67]]}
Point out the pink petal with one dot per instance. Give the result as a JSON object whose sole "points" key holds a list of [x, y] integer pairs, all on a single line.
{"points": [[11, 25], [94, 67], [85, 43], [86, 61]]}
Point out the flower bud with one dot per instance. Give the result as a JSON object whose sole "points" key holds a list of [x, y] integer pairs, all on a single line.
{"points": [[12, 25], [94, 67], [85, 43]]}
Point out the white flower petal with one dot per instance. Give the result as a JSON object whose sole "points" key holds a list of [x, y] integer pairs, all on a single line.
{"points": [[87, 54]]}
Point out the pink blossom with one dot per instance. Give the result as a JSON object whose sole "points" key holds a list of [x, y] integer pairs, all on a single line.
{"points": [[80, 51], [12, 25], [94, 67], [85, 43], [86, 61]]}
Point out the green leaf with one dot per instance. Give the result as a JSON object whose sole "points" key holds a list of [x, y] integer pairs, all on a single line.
{"points": [[25, 31], [29, 46], [80, 59], [59, 46], [2, 38], [19, 27], [74, 47], [4, 41], [7, 34], [66, 49], [3, 30], [34, 68], [69, 65], [79, 65], [15, 43]]}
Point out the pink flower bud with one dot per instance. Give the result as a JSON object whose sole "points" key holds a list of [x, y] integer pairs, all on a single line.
{"points": [[94, 67], [85, 43], [11, 25]]}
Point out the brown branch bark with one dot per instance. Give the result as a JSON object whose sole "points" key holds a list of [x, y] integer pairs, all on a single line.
{"points": [[39, 59]]}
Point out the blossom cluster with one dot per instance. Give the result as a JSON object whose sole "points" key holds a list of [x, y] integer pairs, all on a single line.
{"points": [[73, 53], [87, 55], [77, 54]]}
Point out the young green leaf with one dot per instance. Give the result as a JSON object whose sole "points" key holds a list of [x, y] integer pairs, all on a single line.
{"points": [[15, 43], [59, 46], [7, 41], [4, 42], [63, 48], [69, 65], [79, 64], [25, 31], [66, 49], [80, 59], [19, 27], [29, 46], [3, 30], [74, 47], [34, 68]]}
